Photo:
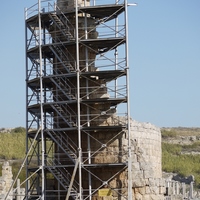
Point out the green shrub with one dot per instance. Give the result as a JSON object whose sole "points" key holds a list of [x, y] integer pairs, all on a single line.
{"points": [[168, 133], [192, 147], [18, 130], [171, 148]]}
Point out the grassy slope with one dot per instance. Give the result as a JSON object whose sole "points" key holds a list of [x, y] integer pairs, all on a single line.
{"points": [[12, 147], [182, 131], [172, 158]]}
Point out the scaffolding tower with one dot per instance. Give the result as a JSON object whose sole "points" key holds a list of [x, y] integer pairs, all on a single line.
{"points": [[77, 98]]}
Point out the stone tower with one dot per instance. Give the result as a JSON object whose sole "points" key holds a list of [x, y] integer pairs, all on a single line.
{"points": [[78, 116]]}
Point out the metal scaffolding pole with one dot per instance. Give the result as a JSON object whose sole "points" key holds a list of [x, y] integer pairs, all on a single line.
{"points": [[41, 101], [78, 100], [130, 195]]}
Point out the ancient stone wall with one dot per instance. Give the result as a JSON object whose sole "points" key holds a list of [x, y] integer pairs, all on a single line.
{"points": [[146, 159]]}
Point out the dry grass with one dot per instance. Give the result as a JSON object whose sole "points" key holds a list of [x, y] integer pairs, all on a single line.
{"points": [[183, 131]]}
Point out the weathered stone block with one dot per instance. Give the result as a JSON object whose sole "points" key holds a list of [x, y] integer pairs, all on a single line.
{"points": [[138, 196], [142, 190], [146, 197], [137, 174], [136, 166], [148, 191], [162, 190], [155, 190], [149, 173], [138, 182]]}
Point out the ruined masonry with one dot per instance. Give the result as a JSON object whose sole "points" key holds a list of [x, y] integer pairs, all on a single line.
{"points": [[6, 180], [147, 180], [147, 166]]}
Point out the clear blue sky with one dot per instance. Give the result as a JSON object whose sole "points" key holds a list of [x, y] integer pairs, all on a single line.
{"points": [[164, 51]]}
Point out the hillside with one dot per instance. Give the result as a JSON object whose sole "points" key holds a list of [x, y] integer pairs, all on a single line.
{"points": [[181, 131], [12, 143], [181, 152], [12, 147]]}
